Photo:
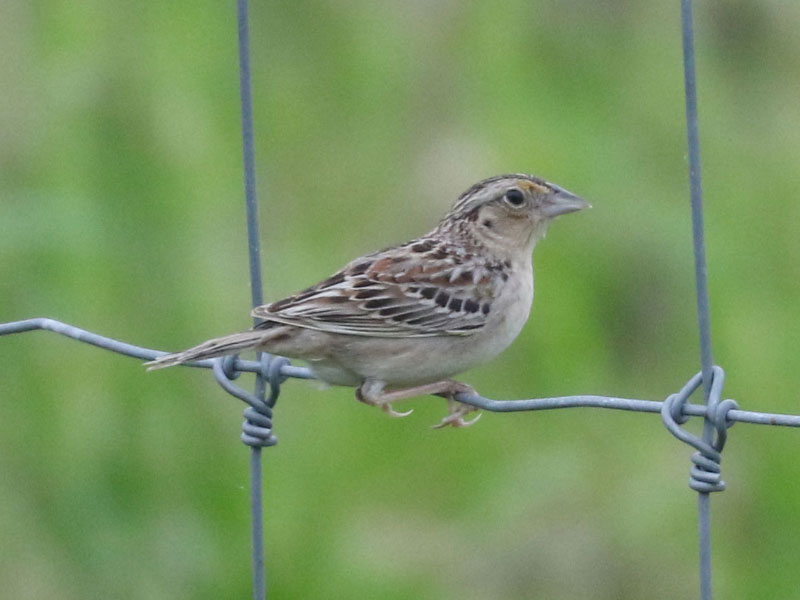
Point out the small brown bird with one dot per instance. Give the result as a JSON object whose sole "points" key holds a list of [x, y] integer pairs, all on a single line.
{"points": [[400, 322]]}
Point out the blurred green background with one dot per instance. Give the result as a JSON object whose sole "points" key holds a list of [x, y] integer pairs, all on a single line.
{"points": [[121, 211]]}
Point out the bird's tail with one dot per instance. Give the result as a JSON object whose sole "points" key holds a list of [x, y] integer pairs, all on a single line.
{"points": [[229, 344]]}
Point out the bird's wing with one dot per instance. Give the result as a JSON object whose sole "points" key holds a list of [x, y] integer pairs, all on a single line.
{"points": [[426, 287]]}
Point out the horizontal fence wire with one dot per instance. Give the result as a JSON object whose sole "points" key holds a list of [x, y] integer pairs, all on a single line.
{"points": [[498, 406], [107, 343]]}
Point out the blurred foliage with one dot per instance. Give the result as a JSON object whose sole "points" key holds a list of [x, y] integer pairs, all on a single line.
{"points": [[121, 211]]}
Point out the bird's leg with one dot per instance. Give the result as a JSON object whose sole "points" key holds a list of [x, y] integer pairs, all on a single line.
{"points": [[372, 392]]}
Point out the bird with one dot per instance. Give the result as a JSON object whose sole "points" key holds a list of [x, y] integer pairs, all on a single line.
{"points": [[401, 322]]}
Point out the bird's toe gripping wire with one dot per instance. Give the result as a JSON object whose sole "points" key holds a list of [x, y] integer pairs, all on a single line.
{"points": [[257, 426], [706, 474]]}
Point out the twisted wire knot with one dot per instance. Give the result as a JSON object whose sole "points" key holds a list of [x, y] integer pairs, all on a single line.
{"points": [[257, 426], [271, 372], [706, 474], [229, 367]]}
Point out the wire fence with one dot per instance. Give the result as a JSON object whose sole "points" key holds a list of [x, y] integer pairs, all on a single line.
{"points": [[271, 371]]}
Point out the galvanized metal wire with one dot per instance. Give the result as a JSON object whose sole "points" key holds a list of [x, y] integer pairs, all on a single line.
{"points": [[271, 371], [703, 310], [680, 410], [287, 370], [257, 426]]}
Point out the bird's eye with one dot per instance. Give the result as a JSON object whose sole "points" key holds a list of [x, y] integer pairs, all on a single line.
{"points": [[515, 198]]}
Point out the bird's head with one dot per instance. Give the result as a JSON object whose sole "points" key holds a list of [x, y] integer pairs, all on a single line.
{"points": [[510, 213]]}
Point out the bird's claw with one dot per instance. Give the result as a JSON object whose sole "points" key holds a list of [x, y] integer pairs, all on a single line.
{"points": [[387, 408], [456, 420], [458, 411]]}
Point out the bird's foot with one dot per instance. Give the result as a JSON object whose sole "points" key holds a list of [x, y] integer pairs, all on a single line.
{"points": [[372, 393], [458, 410]]}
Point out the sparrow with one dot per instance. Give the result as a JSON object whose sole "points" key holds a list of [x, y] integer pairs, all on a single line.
{"points": [[402, 321]]}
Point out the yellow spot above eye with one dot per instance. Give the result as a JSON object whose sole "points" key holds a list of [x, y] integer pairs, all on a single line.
{"points": [[534, 187]]}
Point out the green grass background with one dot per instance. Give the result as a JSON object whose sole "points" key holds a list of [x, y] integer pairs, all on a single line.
{"points": [[121, 211]]}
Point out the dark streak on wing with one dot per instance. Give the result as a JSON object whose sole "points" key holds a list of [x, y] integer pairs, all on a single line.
{"points": [[426, 287]]}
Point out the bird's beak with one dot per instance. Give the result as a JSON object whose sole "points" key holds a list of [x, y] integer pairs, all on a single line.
{"points": [[563, 202]]}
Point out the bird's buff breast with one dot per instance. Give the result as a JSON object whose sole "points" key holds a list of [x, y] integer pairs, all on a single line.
{"points": [[415, 361]]}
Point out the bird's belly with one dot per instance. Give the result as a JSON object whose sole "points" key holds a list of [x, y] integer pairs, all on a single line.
{"points": [[334, 373], [415, 361], [402, 361]]}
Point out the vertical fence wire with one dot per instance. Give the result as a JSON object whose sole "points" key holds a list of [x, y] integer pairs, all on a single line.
{"points": [[703, 311], [256, 484]]}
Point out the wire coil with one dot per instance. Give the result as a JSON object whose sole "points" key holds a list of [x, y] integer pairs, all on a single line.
{"points": [[257, 426], [706, 473]]}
